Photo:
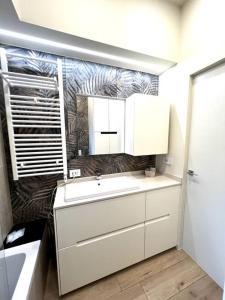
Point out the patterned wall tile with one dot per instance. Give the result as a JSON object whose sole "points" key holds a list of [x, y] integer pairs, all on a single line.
{"points": [[32, 196]]}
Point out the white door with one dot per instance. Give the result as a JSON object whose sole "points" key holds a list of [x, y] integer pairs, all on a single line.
{"points": [[204, 223]]}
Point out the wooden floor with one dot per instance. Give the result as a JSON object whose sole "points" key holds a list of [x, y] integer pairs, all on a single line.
{"points": [[172, 275]]}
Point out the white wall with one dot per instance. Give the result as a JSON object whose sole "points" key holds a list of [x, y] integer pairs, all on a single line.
{"points": [[146, 26], [174, 88], [202, 25], [202, 45]]}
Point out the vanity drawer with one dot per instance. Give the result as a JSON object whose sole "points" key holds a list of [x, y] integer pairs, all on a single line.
{"points": [[98, 257], [160, 234], [162, 202], [81, 222]]}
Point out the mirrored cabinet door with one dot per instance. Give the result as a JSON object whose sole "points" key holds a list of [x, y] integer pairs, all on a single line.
{"points": [[116, 125], [99, 113], [99, 144], [106, 125]]}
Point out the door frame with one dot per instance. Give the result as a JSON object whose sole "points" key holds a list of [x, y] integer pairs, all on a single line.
{"points": [[191, 75], [184, 199], [186, 158]]}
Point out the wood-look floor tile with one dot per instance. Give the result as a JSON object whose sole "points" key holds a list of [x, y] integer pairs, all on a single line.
{"points": [[171, 281], [203, 289], [100, 290], [172, 275], [134, 293], [149, 267]]}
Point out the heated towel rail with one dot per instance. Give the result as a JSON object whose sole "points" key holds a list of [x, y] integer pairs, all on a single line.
{"points": [[42, 153]]}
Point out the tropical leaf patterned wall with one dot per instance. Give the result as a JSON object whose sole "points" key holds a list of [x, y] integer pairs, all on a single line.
{"points": [[32, 196]]}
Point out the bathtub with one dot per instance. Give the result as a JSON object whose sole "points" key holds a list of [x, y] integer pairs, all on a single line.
{"points": [[26, 268], [21, 263]]}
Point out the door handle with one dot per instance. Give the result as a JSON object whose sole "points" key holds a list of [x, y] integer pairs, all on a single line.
{"points": [[191, 173]]}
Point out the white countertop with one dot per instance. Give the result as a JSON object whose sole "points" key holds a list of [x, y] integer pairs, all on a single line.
{"points": [[145, 184]]}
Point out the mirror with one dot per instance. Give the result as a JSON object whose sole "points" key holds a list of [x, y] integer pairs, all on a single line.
{"points": [[100, 125]]}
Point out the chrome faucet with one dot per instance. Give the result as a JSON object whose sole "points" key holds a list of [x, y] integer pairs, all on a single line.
{"points": [[98, 174]]}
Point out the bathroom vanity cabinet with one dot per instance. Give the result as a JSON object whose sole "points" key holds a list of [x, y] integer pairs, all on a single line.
{"points": [[146, 125], [99, 238]]}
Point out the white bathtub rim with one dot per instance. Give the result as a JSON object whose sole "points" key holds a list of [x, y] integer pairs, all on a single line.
{"points": [[23, 285]]}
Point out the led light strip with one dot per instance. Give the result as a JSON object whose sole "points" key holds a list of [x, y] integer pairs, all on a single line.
{"points": [[77, 49]]}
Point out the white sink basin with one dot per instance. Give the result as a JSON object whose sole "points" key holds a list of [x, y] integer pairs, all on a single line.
{"points": [[95, 188]]}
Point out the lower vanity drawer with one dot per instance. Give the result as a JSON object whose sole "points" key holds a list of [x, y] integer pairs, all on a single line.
{"points": [[81, 222], [161, 234], [95, 258]]}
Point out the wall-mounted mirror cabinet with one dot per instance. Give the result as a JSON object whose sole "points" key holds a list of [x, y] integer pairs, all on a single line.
{"points": [[138, 125], [100, 125]]}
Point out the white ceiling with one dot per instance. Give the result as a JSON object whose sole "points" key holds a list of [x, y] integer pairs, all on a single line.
{"points": [[119, 23], [22, 34]]}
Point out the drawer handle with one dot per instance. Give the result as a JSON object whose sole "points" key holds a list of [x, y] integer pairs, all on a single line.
{"points": [[158, 219], [107, 235]]}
